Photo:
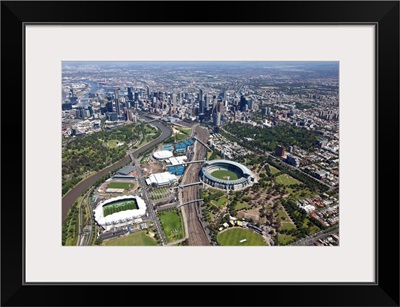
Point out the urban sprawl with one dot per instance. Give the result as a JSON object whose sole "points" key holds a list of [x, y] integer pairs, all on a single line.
{"points": [[200, 153]]}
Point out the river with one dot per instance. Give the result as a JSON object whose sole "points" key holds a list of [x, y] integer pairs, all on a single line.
{"points": [[73, 194]]}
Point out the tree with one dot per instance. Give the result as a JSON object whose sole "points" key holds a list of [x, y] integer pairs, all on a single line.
{"points": [[98, 241]]}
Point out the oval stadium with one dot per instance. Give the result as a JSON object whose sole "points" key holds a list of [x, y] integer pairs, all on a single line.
{"points": [[227, 175], [119, 209]]}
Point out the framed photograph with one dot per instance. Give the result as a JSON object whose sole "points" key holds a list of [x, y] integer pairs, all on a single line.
{"points": [[185, 146]]}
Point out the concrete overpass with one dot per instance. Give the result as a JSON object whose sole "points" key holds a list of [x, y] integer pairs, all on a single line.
{"points": [[188, 185], [189, 202], [202, 143]]}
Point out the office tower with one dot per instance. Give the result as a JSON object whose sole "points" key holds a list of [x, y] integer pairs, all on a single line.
{"points": [[280, 151], [250, 103], [207, 102], [116, 100], [130, 94], [109, 106], [201, 102], [264, 111], [117, 109], [217, 119], [72, 97]]}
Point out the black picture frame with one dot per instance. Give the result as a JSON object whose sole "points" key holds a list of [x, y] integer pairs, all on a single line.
{"points": [[383, 14]]}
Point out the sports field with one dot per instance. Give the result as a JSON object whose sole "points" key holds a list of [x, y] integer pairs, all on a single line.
{"points": [[225, 174], [171, 223], [120, 185], [233, 236], [135, 239], [119, 206], [285, 179]]}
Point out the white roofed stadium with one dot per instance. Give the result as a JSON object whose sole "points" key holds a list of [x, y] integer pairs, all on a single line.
{"points": [[227, 175], [114, 210], [162, 154]]}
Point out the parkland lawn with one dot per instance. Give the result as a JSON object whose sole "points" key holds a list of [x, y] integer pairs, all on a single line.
{"points": [[171, 223], [135, 239], [285, 179], [233, 236]]}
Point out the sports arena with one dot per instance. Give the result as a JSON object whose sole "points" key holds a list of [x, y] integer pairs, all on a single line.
{"points": [[227, 175], [119, 209]]}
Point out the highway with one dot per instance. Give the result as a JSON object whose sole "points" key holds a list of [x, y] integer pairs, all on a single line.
{"points": [[197, 235], [75, 192]]}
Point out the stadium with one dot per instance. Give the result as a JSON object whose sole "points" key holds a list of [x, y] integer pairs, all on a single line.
{"points": [[227, 175], [118, 210]]}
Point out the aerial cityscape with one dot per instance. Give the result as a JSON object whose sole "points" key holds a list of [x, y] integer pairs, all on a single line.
{"points": [[200, 153]]}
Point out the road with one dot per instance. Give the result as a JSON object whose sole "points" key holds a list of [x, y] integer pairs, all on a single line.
{"points": [[85, 238], [197, 235], [150, 208], [73, 194], [310, 240]]}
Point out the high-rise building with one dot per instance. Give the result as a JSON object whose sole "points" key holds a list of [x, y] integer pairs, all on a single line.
{"points": [[117, 106], [292, 160], [280, 151], [116, 101], [112, 116], [109, 106], [201, 102], [217, 119], [116, 93], [72, 97], [130, 94]]}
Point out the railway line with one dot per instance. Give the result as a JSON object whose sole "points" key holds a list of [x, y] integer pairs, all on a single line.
{"points": [[197, 235]]}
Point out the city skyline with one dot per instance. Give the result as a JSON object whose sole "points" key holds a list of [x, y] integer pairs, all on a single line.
{"points": [[272, 125]]}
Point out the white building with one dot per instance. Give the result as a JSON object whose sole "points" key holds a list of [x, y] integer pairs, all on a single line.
{"points": [[161, 179], [162, 154]]}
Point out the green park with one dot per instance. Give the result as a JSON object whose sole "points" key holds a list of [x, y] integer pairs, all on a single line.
{"points": [[171, 222], [135, 239], [240, 237]]}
